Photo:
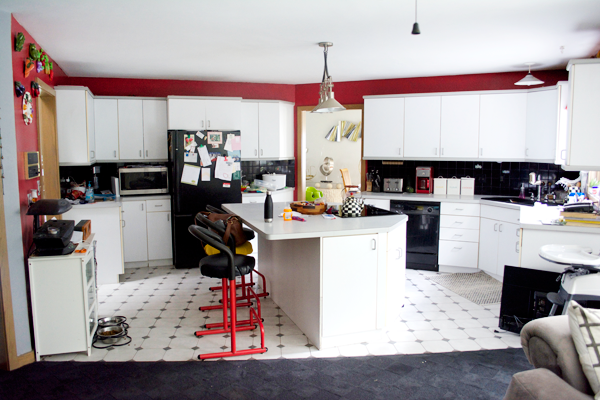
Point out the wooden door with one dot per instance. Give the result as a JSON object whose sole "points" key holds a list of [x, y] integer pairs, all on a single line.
{"points": [[48, 143]]}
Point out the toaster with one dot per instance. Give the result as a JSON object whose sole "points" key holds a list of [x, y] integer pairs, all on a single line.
{"points": [[392, 185]]}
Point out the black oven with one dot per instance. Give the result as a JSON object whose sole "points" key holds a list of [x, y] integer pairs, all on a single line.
{"points": [[143, 180], [422, 233]]}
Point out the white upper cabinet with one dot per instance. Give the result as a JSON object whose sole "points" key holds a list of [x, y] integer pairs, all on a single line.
{"points": [[131, 129], [204, 114], [460, 126], [267, 130], [502, 126], [383, 128], [584, 118], [249, 131], [422, 126], [155, 129], [186, 114], [75, 125], [542, 125], [223, 114], [107, 129]]}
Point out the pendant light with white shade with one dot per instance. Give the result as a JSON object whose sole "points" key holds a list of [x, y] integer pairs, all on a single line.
{"points": [[529, 79], [327, 103]]}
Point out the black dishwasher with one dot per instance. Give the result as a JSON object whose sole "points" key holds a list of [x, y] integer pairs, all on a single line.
{"points": [[422, 233]]}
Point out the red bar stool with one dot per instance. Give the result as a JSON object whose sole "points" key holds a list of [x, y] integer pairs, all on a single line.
{"points": [[226, 266], [245, 296]]}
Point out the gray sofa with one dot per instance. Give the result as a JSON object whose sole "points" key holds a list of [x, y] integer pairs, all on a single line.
{"points": [[550, 349]]}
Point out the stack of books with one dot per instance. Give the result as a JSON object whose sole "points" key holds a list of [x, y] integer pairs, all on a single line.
{"points": [[581, 219]]}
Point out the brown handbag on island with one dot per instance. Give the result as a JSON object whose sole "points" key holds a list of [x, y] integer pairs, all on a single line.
{"points": [[231, 224]]}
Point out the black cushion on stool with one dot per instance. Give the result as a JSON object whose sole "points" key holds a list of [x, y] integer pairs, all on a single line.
{"points": [[217, 266]]}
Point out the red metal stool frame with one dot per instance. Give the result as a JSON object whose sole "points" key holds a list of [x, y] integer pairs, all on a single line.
{"points": [[229, 284]]}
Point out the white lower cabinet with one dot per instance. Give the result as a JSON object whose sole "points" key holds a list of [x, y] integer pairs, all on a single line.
{"points": [[499, 240], [106, 225], [64, 301], [459, 235], [147, 236], [352, 261], [158, 224], [135, 241]]}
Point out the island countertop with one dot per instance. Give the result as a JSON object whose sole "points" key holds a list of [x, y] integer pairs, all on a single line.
{"points": [[315, 226]]}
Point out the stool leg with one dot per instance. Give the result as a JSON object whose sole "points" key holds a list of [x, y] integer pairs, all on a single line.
{"points": [[226, 325], [253, 316]]}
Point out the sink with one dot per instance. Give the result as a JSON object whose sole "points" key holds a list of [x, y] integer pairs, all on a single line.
{"points": [[518, 201]]}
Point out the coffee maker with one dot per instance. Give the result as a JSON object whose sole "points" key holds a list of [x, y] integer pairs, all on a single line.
{"points": [[424, 181]]}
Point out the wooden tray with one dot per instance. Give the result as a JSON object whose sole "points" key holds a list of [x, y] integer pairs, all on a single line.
{"points": [[308, 208]]}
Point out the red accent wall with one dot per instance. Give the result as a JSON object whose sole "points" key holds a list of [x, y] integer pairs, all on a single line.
{"points": [[165, 87], [353, 92], [26, 135]]}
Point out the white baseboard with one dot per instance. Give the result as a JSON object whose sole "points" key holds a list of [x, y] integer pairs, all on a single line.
{"points": [[151, 263]]}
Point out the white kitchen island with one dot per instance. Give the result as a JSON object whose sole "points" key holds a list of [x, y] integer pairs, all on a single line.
{"points": [[340, 281]]}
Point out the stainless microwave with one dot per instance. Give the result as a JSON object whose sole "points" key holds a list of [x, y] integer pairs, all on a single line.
{"points": [[143, 180]]}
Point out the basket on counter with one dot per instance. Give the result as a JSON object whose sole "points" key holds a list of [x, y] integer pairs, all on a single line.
{"points": [[304, 207]]}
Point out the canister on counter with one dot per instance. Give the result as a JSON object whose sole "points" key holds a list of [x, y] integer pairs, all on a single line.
{"points": [[453, 186], [440, 185], [467, 186]]}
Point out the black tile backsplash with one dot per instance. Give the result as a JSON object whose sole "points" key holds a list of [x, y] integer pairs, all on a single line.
{"points": [[252, 170], [491, 178]]}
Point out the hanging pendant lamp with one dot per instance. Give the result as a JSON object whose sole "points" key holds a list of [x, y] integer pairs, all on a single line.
{"points": [[416, 30], [529, 79], [327, 103]]}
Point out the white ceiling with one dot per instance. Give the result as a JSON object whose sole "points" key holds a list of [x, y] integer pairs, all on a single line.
{"points": [[275, 41]]}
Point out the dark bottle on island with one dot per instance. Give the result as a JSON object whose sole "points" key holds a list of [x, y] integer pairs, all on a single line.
{"points": [[268, 208]]}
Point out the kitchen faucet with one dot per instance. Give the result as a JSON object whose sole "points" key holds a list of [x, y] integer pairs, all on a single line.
{"points": [[539, 183]]}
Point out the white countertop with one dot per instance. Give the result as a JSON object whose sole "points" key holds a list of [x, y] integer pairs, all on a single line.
{"points": [[119, 201], [561, 228], [315, 226], [286, 189]]}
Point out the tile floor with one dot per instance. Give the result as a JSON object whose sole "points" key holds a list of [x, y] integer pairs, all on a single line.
{"points": [[161, 305]]}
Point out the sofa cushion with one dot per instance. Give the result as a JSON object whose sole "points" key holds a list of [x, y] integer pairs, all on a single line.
{"points": [[548, 343], [585, 330], [541, 384]]}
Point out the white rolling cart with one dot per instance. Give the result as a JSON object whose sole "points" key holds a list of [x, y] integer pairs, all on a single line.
{"points": [[64, 301]]}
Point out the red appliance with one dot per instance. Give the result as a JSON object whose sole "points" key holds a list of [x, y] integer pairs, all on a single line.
{"points": [[424, 180]]}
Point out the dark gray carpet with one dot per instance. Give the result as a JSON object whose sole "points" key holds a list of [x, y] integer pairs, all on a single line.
{"points": [[466, 375]]}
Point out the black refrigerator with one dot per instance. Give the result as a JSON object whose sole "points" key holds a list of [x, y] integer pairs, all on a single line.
{"points": [[189, 199]]}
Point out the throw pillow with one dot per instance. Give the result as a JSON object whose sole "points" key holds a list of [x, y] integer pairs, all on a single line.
{"points": [[585, 330]]}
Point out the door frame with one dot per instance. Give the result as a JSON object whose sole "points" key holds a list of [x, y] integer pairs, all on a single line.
{"points": [[46, 92], [301, 136]]}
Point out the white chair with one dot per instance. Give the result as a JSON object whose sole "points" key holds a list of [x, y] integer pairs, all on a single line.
{"points": [[580, 281]]}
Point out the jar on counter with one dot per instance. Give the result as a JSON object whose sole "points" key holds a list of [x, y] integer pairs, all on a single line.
{"points": [[287, 214]]}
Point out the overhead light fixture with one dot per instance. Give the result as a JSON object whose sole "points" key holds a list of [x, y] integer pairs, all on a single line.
{"points": [[327, 103], [416, 30], [529, 79]]}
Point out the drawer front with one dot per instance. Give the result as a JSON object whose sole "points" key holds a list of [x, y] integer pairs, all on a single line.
{"points": [[254, 199], [460, 209], [458, 254], [460, 235], [158, 205], [457, 222], [501, 214]]}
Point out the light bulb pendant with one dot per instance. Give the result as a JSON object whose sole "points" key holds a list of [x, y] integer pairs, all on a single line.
{"points": [[416, 30]]}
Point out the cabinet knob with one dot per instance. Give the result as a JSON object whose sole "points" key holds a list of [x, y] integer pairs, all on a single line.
{"points": [[261, 152], [481, 152], [140, 153], [495, 227], [146, 153], [517, 247], [399, 252], [93, 153], [435, 152], [255, 152], [500, 228], [526, 152], [373, 244], [115, 153]]}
